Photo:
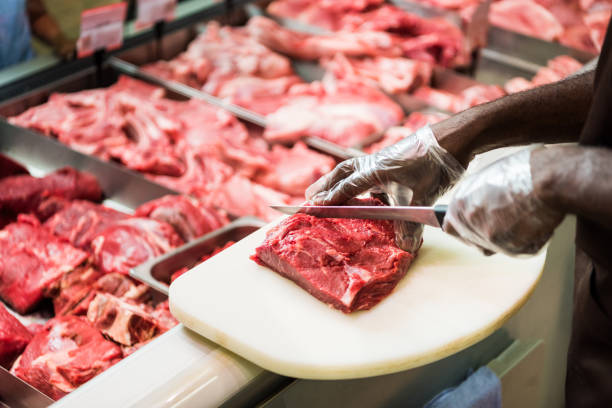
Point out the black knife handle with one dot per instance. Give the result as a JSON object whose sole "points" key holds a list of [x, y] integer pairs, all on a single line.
{"points": [[440, 212]]}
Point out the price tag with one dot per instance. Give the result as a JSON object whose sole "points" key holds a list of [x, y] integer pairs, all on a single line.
{"points": [[150, 12], [101, 28]]}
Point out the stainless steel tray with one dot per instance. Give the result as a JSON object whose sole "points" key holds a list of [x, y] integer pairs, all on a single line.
{"points": [[156, 272]]}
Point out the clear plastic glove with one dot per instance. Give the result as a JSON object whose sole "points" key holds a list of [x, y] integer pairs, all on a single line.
{"points": [[497, 209], [414, 171]]}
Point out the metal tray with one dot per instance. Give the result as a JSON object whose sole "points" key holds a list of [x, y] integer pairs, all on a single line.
{"points": [[156, 272]]}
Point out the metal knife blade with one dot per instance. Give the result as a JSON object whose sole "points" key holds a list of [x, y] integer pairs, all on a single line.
{"points": [[433, 216]]}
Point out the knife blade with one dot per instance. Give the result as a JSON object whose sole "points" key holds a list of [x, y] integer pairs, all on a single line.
{"points": [[433, 216]]}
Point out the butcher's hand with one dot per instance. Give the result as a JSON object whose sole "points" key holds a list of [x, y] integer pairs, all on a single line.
{"points": [[499, 209], [414, 171]]}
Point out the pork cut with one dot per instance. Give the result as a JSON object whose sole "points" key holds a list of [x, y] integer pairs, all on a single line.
{"points": [[31, 260], [130, 242], [189, 217], [66, 353], [347, 263], [14, 337]]}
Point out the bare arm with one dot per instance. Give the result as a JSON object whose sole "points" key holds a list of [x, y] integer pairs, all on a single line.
{"points": [[46, 28], [552, 113]]}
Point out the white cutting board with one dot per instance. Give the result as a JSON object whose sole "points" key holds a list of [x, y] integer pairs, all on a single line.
{"points": [[451, 297]]}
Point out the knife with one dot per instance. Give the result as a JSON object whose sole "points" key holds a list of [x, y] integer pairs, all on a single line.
{"points": [[433, 216]]}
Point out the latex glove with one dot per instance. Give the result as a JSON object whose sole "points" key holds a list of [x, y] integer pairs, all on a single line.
{"points": [[498, 210], [414, 171]]}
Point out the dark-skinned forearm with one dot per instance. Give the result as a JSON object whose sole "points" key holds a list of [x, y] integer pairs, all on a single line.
{"points": [[575, 180], [548, 114], [43, 24]]}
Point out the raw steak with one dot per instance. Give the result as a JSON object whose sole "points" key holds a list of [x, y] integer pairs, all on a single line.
{"points": [[392, 75], [14, 337], [9, 167], [339, 111], [347, 263], [204, 258], [526, 17], [164, 318], [81, 221], [189, 217], [130, 242], [72, 293], [23, 193], [31, 260], [65, 354], [125, 323]]}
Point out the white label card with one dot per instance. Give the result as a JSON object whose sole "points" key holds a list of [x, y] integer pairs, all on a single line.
{"points": [[101, 28], [149, 12]]}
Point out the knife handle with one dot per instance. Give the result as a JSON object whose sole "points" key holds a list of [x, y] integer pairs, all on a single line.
{"points": [[440, 213]]}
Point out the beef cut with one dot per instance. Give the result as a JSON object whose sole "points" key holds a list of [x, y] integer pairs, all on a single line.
{"points": [[130, 242], [189, 217], [31, 260], [125, 323], [79, 222], [347, 263], [66, 353], [72, 293], [526, 17], [164, 318], [9, 167], [23, 193], [14, 337], [339, 111]]}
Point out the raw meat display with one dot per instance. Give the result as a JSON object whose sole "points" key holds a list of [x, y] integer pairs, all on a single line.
{"points": [[204, 258], [526, 17], [128, 243], [557, 69], [338, 111], [164, 318], [66, 353], [432, 40], [347, 263], [190, 147], [123, 322], [9, 167], [392, 75], [31, 260], [14, 337], [469, 97], [189, 217], [414, 121], [73, 292], [23, 193]]}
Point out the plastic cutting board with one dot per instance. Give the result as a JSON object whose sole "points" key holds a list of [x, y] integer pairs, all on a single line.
{"points": [[451, 297]]}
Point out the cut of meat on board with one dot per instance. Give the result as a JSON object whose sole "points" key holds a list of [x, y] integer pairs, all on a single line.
{"points": [[31, 260], [80, 222], [125, 323], [204, 258], [526, 17], [349, 264], [189, 217], [392, 75], [130, 242], [65, 354], [335, 110], [293, 169], [9, 167], [414, 121], [14, 337], [23, 193], [433, 40]]}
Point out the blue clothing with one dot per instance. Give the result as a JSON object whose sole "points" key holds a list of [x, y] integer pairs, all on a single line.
{"points": [[481, 390], [15, 39]]}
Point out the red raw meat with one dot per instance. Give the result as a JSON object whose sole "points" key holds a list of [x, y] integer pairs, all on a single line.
{"points": [[23, 193], [415, 121], [70, 294], [338, 111], [189, 217], [392, 75], [65, 354], [526, 17], [125, 323], [165, 320], [293, 170], [469, 97], [81, 221], [204, 258], [597, 23], [130, 242], [517, 84], [14, 337], [557, 69], [9, 167], [347, 263], [31, 260]]}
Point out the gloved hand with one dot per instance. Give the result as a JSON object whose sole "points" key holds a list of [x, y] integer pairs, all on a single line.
{"points": [[414, 171], [498, 210]]}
